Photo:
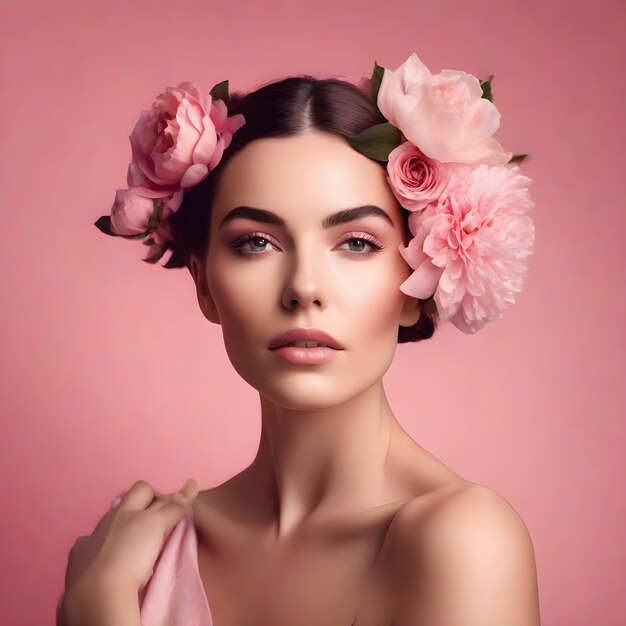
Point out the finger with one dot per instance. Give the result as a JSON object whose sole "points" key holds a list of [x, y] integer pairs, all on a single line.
{"points": [[162, 500], [159, 503], [116, 500], [189, 490], [186, 491], [138, 497], [173, 510]]}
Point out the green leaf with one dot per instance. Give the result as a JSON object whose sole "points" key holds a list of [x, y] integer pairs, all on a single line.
{"points": [[377, 77], [376, 141], [220, 92], [104, 224], [486, 87], [518, 158], [155, 219]]}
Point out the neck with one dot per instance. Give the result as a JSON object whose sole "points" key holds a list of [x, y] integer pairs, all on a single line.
{"points": [[313, 463]]}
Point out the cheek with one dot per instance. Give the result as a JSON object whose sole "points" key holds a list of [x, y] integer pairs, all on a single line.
{"points": [[375, 302], [239, 288], [378, 330], [244, 302], [241, 314], [371, 319]]}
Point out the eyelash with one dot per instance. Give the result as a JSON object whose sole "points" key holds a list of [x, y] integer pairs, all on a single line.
{"points": [[238, 243]]}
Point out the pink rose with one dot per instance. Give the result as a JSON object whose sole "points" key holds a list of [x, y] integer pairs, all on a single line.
{"points": [[470, 248], [415, 179], [443, 114], [179, 140], [130, 212]]}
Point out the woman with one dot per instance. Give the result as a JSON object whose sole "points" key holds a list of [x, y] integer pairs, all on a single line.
{"points": [[294, 229]]}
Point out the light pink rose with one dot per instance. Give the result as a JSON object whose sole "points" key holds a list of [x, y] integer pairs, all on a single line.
{"points": [[130, 212], [470, 248], [415, 179], [443, 114], [179, 140]]}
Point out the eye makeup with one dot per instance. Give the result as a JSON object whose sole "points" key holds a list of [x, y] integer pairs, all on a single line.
{"points": [[238, 244]]}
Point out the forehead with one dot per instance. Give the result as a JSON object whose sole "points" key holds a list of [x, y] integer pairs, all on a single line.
{"points": [[311, 174]]}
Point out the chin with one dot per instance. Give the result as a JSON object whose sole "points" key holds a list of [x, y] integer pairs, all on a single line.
{"points": [[292, 403], [307, 396]]}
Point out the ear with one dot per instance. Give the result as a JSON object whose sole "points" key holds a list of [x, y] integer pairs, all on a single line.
{"points": [[411, 311], [205, 299]]}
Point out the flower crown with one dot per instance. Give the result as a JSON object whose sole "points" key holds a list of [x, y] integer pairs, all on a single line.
{"points": [[469, 204]]}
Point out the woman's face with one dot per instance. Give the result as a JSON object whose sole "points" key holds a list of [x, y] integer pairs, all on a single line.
{"points": [[268, 272]]}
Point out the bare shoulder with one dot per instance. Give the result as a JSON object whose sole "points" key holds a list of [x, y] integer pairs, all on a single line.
{"points": [[461, 508], [467, 558]]}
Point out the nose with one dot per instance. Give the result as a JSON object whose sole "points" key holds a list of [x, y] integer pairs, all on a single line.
{"points": [[303, 283]]}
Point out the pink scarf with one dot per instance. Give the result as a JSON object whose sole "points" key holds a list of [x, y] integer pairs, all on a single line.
{"points": [[174, 595]]}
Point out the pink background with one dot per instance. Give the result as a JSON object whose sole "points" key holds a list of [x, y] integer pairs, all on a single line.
{"points": [[110, 373]]}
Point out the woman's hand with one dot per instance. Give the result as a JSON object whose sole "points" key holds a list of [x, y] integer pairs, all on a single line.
{"points": [[121, 551]]}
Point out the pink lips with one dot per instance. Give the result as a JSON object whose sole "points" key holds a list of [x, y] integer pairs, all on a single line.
{"points": [[328, 349], [305, 334]]}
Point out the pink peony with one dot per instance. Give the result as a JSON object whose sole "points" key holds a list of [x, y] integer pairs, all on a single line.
{"points": [[225, 127], [130, 212], [415, 179], [470, 248], [179, 140], [443, 114]]}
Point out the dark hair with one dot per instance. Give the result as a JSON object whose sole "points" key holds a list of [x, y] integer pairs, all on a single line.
{"points": [[280, 109]]}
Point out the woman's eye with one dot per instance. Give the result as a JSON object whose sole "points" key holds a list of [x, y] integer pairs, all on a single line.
{"points": [[364, 246], [250, 244], [253, 244]]}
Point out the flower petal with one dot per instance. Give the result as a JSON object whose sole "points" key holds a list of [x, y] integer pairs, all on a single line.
{"points": [[422, 282], [194, 175]]}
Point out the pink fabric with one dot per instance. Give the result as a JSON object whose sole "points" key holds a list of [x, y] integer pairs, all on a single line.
{"points": [[174, 595]]}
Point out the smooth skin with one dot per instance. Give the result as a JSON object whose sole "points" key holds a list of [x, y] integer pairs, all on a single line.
{"points": [[341, 518]]}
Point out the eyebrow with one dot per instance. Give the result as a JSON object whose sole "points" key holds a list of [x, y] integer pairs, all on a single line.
{"points": [[341, 217]]}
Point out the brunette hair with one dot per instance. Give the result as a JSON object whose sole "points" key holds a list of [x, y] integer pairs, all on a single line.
{"points": [[279, 109]]}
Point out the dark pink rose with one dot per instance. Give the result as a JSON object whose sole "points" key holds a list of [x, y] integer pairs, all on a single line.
{"points": [[415, 179]]}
